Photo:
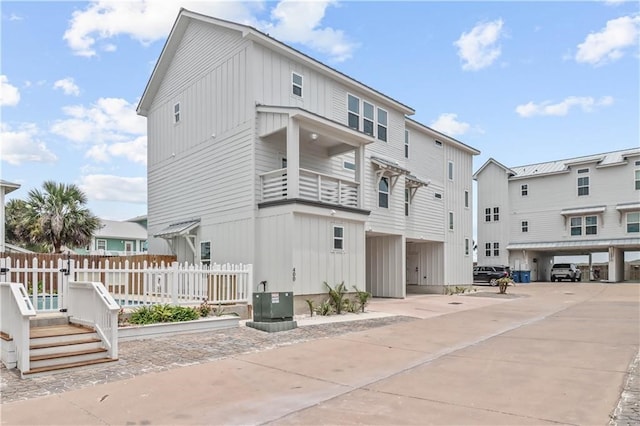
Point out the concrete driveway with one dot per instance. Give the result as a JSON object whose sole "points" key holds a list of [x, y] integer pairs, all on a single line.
{"points": [[546, 354]]}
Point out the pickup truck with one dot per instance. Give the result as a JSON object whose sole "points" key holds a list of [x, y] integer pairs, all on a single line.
{"points": [[565, 271]]}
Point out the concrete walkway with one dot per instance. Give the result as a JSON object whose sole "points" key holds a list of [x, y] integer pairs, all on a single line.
{"points": [[550, 354]]}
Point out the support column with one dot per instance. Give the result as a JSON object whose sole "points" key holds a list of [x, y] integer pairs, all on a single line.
{"points": [[293, 159], [359, 174], [616, 265]]}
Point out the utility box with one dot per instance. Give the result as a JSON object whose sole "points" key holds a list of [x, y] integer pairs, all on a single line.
{"points": [[273, 307]]}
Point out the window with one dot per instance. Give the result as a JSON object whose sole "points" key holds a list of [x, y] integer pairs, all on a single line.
{"points": [[438, 195], [407, 198], [576, 226], [580, 171], [382, 124], [487, 214], [487, 249], [524, 190], [450, 221], [367, 120], [466, 199], [496, 214], [496, 249], [205, 251], [633, 223], [349, 165], [525, 226], [354, 112], [450, 170], [439, 144], [591, 225], [101, 244], [338, 237], [383, 192], [296, 84], [406, 144], [176, 113], [637, 179], [466, 247], [583, 185]]}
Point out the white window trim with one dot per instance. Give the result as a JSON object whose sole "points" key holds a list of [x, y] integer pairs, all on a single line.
{"points": [[388, 192], [467, 199], [450, 221], [450, 170], [358, 114], [407, 202], [583, 226], [496, 247], [494, 213], [406, 143], [636, 179], [438, 143], [386, 126], [101, 240], [626, 223], [438, 196], [524, 188], [488, 215], [372, 120], [344, 165], [487, 249], [294, 85], [524, 226], [334, 238], [202, 260], [467, 247], [588, 186]]}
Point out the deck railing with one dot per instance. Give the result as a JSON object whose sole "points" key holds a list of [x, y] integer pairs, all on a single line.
{"points": [[314, 186], [16, 310]]}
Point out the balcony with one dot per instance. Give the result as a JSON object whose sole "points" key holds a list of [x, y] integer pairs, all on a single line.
{"points": [[313, 186]]}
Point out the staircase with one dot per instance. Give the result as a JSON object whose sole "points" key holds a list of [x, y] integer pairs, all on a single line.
{"points": [[55, 344]]}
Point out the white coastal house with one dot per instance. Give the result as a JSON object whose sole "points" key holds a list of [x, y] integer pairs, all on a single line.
{"points": [[5, 188], [579, 206], [119, 238], [260, 154]]}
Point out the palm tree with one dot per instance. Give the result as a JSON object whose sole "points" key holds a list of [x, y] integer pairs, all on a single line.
{"points": [[57, 217]]}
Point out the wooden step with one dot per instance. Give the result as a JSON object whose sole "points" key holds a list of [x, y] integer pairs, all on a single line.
{"points": [[62, 347], [54, 368], [5, 336], [49, 360], [54, 344]]}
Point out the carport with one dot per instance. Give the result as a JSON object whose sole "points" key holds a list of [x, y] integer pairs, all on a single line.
{"points": [[538, 257]]}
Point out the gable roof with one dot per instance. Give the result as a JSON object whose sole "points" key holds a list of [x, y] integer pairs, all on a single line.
{"points": [[507, 170], [250, 33], [8, 187], [121, 229], [441, 136]]}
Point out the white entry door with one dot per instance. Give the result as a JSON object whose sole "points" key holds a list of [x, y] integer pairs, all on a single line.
{"points": [[413, 270]]}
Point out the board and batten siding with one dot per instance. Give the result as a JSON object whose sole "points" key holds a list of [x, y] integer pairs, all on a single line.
{"points": [[458, 267], [385, 266], [493, 192], [430, 261], [232, 241]]}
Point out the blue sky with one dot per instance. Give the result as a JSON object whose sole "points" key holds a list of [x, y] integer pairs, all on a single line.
{"points": [[523, 82]]}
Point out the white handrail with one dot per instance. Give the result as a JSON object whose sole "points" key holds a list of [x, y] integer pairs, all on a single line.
{"points": [[16, 312], [91, 304]]}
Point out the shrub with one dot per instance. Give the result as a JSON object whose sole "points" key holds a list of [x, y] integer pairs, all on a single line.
{"points": [[503, 283], [162, 313], [336, 296], [363, 297], [325, 308], [310, 303]]}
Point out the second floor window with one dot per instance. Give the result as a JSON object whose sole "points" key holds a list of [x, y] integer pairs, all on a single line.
{"points": [[466, 199], [296, 84], [353, 104], [338, 237], [591, 225], [637, 179], [382, 125], [466, 247], [496, 214], [584, 225], [450, 170], [496, 249], [583, 185], [367, 118], [487, 249], [101, 244], [487, 214], [524, 190], [176, 113], [633, 223], [450, 221], [406, 144], [525, 226], [383, 192]]}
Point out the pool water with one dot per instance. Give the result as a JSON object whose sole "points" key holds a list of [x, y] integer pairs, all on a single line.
{"points": [[49, 302]]}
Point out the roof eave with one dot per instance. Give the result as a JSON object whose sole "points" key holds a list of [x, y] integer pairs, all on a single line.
{"points": [[441, 135]]}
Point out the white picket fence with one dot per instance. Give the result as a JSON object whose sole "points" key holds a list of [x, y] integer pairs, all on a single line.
{"points": [[132, 283]]}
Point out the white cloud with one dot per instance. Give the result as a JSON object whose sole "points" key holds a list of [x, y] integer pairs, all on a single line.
{"points": [[14, 17], [609, 44], [108, 120], [614, 2], [9, 94], [448, 124], [95, 27], [114, 188], [300, 22], [68, 86], [145, 21], [478, 48], [22, 145], [134, 151], [562, 108]]}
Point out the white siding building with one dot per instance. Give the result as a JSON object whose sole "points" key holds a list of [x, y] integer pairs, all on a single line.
{"points": [[529, 214], [260, 154]]}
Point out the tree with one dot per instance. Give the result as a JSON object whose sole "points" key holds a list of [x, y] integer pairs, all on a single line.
{"points": [[55, 217]]}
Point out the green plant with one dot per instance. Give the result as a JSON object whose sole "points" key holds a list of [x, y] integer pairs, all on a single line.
{"points": [[204, 310], [363, 297], [163, 313], [351, 306], [503, 283], [325, 308], [221, 310], [336, 296], [310, 303], [449, 290]]}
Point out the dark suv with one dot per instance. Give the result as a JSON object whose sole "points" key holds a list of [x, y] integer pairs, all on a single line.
{"points": [[490, 274]]}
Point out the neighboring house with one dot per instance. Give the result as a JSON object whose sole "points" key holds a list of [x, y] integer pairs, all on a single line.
{"points": [[529, 214], [5, 188], [260, 154], [119, 237]]}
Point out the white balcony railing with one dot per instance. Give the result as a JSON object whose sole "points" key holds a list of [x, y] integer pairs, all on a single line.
{"points": [[314, 186]]}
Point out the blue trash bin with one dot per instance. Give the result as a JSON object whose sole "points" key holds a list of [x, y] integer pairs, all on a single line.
{"points": [[515, 276], [525, 277]]}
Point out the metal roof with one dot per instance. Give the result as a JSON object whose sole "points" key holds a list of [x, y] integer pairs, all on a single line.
{"points": [[601, 160], [583, 210], [178, 228]]}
